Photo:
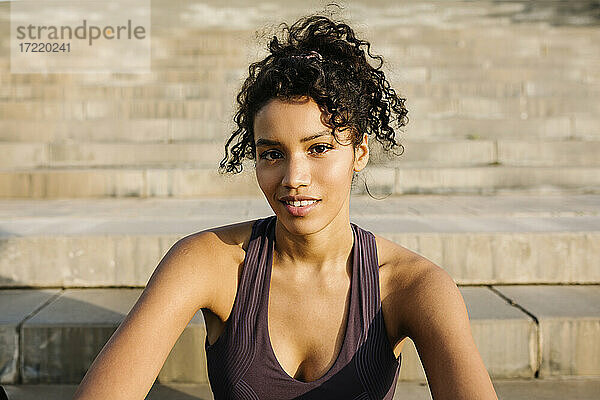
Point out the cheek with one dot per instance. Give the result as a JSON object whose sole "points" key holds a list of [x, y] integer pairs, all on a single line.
{"points": [[268, 180], [337, 173]]}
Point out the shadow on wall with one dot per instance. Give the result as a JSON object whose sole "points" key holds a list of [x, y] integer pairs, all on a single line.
{"points": [[554, 12], [50, 392], [39, 324]]}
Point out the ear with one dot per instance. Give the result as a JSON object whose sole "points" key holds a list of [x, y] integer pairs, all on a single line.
{"points": [[361, 154]]}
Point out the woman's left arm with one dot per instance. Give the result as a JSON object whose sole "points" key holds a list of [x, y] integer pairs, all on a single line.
{"points": [[435, 318]]}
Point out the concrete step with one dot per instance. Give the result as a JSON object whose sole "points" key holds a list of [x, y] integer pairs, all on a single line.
{"points": [[157, 90], [494, 72], [568, 332], [175, 91], [139, 130], [221, 109], [468, 73], [420, 73], [171, 76], [477, 239], [506, 389], [125, 90], [58, 333], [223, 51], [460, 53], [413, 14], [466, 53], [179, 182], [84, 320], [575, 126], [437, 46], [422, 43], [115, 109], [151, 130], [202, 153], [525, 37]]}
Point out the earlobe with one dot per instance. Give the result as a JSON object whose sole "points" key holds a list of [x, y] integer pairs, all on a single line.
{"points": [[363, 155]]}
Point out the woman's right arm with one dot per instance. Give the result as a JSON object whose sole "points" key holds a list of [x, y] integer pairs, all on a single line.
{"points": [[181, 284]]}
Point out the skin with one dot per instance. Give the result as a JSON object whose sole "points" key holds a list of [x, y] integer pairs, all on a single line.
{"points": [[311, 274], [319, 168], [312, 256]]}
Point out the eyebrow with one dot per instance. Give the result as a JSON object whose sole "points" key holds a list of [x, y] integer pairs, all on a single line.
{"points": [[268, 142]]}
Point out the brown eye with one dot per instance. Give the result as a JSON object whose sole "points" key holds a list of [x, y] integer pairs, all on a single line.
{"points": [[322, 146], [266, 153]]}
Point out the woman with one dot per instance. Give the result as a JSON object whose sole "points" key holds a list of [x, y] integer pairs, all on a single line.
{"points": [[302, 304]]}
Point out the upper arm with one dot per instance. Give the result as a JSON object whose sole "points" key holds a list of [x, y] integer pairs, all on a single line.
{"points": [[134, 355], [439, 326]]}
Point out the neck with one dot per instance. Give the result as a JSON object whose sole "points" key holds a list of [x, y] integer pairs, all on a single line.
{"points": [[326, 251]]}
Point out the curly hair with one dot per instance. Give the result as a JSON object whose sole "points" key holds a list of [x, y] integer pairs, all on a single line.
{"points": [[323, 60]]}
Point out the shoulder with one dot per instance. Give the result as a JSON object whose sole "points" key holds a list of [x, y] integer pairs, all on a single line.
{"points": [[208, 260], [224, 238], [414, 288], [215, 257], [428, 307]]}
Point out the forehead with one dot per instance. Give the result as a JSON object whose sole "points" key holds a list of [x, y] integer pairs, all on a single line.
{"points": [[288, 118]]}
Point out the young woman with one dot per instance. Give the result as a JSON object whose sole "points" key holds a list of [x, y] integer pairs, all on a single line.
{"points": [[303, 304]]}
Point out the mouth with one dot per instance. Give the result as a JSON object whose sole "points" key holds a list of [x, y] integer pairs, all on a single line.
{"points": [[300, 208]]}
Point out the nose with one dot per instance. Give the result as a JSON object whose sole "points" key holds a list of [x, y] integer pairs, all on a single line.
{"points": [[296, 173]]}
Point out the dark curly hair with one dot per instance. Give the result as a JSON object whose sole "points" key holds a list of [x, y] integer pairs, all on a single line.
{"points": [[324, 60]]}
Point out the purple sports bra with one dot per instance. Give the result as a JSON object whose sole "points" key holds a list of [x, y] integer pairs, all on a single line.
{"points": [[242, 364]]}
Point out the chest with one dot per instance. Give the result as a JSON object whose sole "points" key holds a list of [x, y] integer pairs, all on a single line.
{"points": [[307, 322]]}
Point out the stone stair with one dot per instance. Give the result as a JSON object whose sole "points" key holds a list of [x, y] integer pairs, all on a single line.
{"points": [[529, 276], [509, 389], [499, 184]]}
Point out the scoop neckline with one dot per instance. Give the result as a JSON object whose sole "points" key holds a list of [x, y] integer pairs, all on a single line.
{"points": [[345, 343]]}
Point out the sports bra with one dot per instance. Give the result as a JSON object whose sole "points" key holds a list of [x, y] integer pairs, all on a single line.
{"points": [[242, 364]]}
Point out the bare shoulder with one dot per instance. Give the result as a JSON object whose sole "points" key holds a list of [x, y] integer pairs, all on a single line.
{"points": [[182, 283], [410, 283], [225, 246], [403, 268], [228, 238], [425, 304]]}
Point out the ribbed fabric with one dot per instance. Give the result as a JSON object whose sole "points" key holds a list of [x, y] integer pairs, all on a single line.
{"points": [[242, 364]]}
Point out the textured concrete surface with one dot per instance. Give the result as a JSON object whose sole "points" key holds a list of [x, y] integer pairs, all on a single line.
{"points": [[439, 153], [182, 182], [569, 324], [505, 337], [502, 98], [15, 307], [537, 389], [13, 213], [477, 239], [60, 342], [474, 74]]}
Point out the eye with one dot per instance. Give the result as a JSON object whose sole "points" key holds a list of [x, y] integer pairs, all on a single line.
{"points": [[328, 147], [266, 153]]}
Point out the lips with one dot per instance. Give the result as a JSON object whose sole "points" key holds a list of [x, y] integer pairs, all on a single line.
{"points": [[300, 211], [296, 198], [290, 202]]}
